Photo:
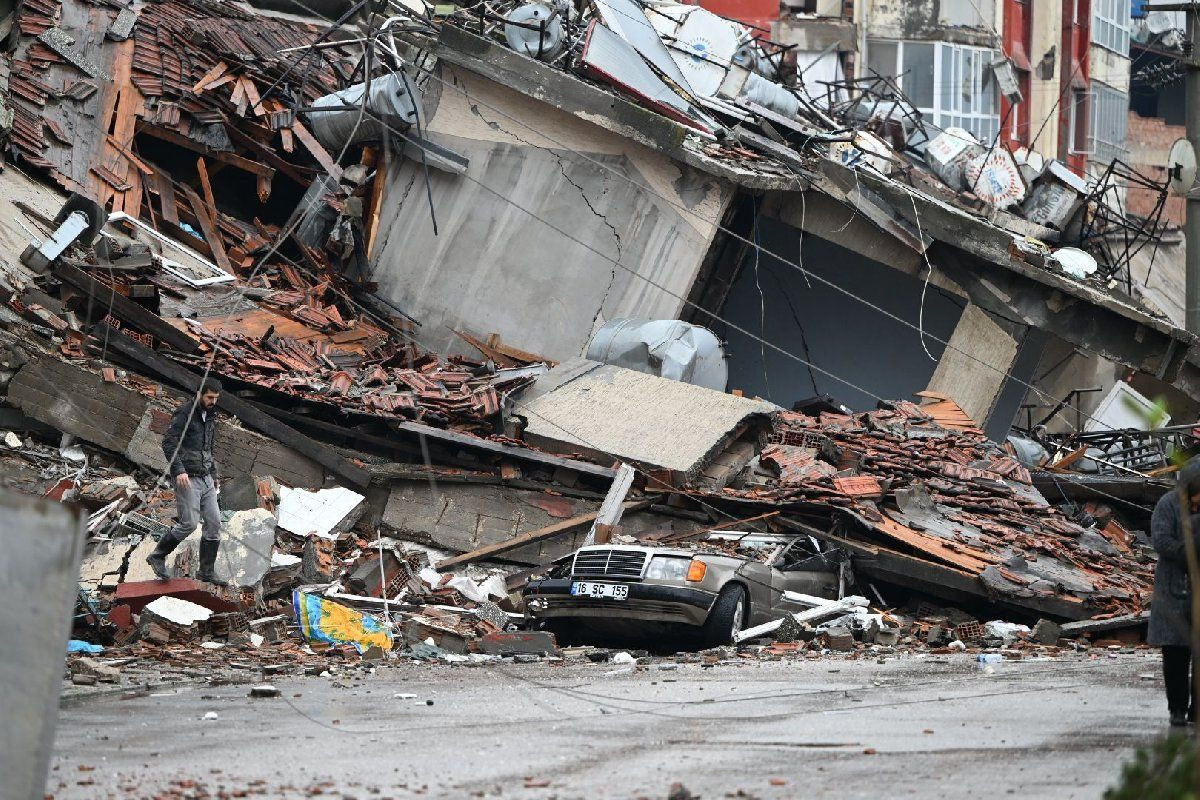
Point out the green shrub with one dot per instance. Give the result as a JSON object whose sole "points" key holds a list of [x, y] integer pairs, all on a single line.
{"points": [[1164, 770]]}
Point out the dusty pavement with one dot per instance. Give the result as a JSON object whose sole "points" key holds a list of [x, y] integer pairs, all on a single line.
{"points": [[916, 727]]}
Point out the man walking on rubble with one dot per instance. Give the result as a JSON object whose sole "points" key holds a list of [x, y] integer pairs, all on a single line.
{"points": [[188, 446], [1171, 607]]}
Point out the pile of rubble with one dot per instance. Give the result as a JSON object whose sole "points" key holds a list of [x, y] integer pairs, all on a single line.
{"points": [[745, 102], [111, 318]]}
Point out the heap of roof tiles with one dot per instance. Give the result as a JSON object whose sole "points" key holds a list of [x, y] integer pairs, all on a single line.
{"points": [[925, 479]]}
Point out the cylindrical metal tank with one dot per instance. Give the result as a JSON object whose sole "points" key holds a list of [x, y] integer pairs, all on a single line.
{"points": [[392, 97], [669, 348]]}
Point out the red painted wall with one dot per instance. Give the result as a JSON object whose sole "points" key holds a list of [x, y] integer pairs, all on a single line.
{"points": [[1018, 44], [1073, 74], [755, 13]]}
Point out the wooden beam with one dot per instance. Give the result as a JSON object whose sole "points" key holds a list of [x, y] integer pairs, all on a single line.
{"points": [[521, 453], [267, 154], [609, 515], [125, 309], [206, 187], [232, 159], [252, 417], [1067, 460], [211, 235], [318, 152], [548, 532]]}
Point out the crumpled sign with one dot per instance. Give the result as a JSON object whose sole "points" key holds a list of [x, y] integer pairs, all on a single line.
{"points": [[322, 620]]}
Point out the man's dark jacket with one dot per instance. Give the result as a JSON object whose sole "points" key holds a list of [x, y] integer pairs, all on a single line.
{"points": [[195, 456], [1171, 608]]}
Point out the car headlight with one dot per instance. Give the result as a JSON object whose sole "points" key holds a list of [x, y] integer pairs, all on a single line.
{"points": [[668, 568]]}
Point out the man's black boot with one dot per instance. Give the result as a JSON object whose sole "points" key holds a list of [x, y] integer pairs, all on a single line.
{"points": [[208, 562], [158, 559]]}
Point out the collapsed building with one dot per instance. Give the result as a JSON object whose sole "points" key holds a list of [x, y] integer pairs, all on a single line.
{"points": [[395, 258]]}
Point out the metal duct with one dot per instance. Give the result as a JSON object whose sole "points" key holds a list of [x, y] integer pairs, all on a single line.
{"points": [[669, 348], [771, 95], [393, 98]]}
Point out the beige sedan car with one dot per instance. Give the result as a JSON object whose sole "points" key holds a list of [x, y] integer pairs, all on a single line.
{"points": [[643, 590]]}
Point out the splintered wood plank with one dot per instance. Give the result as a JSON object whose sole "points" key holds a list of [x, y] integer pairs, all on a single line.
{"points": [[548, 532], [264, 188], [166, 198], [238, 98], [211, 235], [206, 186], [381, 164], [209, 77], [122, 107], [318, 152], [256, 104]]}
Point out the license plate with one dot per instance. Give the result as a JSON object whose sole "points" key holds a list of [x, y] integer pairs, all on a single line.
{"points": [[613, 591]]}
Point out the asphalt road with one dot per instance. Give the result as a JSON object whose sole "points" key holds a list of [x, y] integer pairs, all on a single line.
{"points": [[913, 727]]}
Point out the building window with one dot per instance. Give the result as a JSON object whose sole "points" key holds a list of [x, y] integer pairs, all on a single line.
{"points": [[1109, 116], [1110, 25], [950, 84]]}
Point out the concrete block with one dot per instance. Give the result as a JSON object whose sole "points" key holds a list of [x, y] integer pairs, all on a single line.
{"points": [[247, 539], [105, 673], [839, 638], [1047, 632], [518, 642]]}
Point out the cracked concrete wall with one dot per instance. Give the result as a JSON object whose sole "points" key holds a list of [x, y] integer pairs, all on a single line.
{"points": [[78, 401], [494, 268], [967, 21]]}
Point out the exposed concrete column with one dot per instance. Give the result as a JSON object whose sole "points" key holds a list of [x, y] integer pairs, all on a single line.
{"points": [[42, 542], [972, 369]]}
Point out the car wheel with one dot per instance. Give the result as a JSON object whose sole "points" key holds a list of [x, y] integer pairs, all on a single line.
{"points": [[726, 616]]}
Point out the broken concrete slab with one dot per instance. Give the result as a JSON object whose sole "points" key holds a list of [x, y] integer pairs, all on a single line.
{"points": [[326, 513], [178, 611], [508, 643], [105, 673], [247, 539], [76, 400], [464, 517], [101, 567], [607, 412]]}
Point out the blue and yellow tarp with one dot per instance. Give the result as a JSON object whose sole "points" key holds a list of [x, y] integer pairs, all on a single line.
{"points": [[322, 620]]}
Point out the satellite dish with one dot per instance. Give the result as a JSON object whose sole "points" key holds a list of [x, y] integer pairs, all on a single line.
{"points": [[1181, 167]]}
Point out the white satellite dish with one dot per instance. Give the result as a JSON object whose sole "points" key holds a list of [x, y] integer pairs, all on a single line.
{"points": [[702, 44], [1181, 167]]}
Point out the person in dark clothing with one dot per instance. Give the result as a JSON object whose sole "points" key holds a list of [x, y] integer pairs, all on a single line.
{"points": [[1171, 607], [188, 446]]}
